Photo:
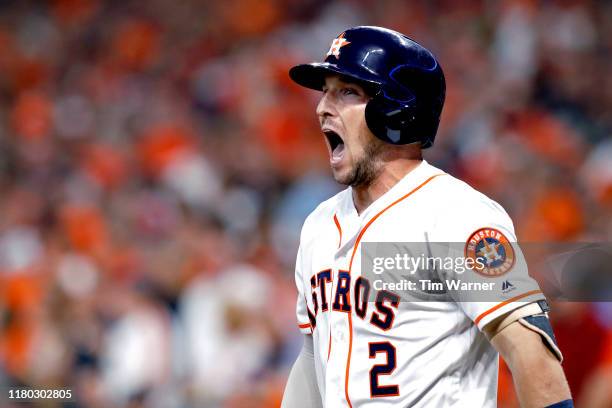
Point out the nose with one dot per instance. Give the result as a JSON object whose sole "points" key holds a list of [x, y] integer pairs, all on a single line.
{"points": [[325, 108]]}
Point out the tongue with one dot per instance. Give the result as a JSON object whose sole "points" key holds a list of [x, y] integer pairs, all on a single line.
{"points": [[338, 153]]}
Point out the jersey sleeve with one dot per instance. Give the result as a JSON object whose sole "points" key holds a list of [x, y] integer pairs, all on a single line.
{"points": [[301, 307], [481, 231]]}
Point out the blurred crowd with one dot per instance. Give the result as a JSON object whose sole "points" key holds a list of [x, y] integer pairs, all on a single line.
{"points": [[156, 165]]}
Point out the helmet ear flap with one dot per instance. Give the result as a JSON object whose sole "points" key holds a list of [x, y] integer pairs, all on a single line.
{"points": [[406, 109], [391, 114]]}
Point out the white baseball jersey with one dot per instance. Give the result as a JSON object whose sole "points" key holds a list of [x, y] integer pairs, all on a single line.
{"points": [[405, 353]]}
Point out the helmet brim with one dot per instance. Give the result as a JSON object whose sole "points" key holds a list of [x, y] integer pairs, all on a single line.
{"points": [[313, 76]]}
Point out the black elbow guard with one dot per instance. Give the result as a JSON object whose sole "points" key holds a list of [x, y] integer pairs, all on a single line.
{"points": [[540, 324]]}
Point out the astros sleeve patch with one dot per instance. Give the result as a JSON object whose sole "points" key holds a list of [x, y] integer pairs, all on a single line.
{"points": [[491, 251], [496, 258]]}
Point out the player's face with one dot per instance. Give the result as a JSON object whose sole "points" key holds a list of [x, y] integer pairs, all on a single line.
{"points": [[354, 151]]}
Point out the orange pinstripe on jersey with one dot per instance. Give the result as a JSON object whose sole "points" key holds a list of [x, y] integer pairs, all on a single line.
{"points": [[364, 229], [339, 230], [374, 218]]}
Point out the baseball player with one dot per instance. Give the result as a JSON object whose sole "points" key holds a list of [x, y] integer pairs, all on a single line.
{"points": [[382, 96]]}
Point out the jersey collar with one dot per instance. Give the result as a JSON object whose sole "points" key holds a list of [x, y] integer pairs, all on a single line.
{"points": [[411, 180]]}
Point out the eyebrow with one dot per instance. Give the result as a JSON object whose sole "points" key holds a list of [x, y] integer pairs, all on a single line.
{"points": [[345, 83]]}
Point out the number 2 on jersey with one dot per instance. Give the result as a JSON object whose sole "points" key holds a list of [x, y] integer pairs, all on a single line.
{"points": [[377, 390]]}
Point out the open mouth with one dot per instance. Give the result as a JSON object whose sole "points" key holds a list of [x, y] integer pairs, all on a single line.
{"points": [[336, 145]]}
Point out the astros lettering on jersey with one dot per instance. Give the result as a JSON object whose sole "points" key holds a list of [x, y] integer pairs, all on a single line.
{"points": [[389, 352]]}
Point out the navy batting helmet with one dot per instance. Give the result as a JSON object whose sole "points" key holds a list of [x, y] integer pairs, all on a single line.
{"points": [[405, 79]]}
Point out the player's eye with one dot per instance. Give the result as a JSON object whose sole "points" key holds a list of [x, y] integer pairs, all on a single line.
{"points": [[350, 91]]}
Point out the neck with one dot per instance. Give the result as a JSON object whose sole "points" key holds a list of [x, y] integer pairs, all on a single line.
{"points": [[392, 171]]}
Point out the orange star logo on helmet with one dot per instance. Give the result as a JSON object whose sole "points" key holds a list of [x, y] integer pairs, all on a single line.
{"points": [[338, 43]]}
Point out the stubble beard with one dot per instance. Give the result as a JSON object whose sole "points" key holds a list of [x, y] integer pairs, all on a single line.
{"points": [[367, 167]]}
